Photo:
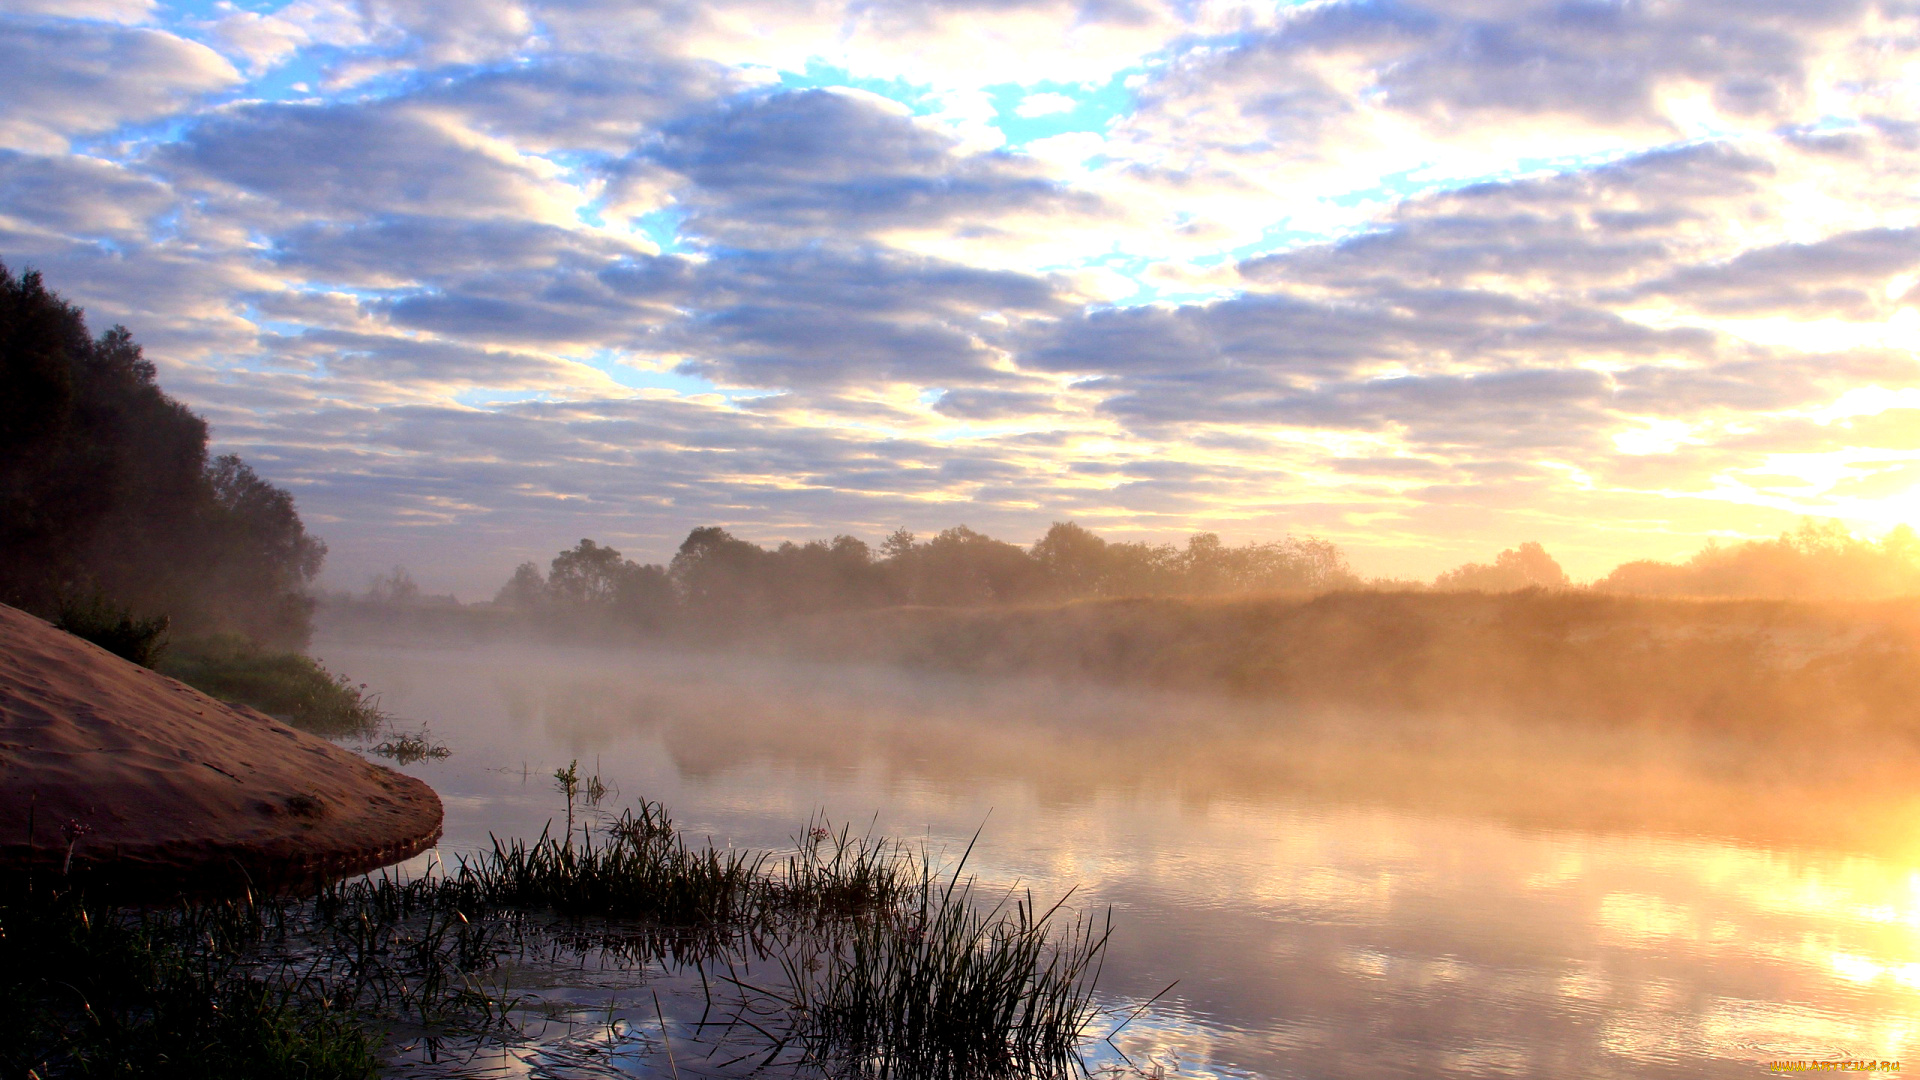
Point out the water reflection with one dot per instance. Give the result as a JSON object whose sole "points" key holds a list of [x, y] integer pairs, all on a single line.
{"points": [[1336, 896]]}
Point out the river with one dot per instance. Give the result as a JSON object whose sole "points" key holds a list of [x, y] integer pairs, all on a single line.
{"points": [[1346, 897]]}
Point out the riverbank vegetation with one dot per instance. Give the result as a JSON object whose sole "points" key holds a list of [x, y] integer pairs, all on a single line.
{"points": [[288, 685], [893, 967], [719, 587], [118, 526]]}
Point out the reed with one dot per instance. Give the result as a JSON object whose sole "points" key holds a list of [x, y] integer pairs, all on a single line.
{"points": [[890, 969], [948, 988], [641, 868]]}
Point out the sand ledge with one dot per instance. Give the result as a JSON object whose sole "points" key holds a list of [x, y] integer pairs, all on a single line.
{"points": [[143, 781]]}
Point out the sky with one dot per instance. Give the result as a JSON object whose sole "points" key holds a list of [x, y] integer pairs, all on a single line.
{"points": [[475, 279]]}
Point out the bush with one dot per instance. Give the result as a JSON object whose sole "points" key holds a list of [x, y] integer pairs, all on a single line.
{"points": [[115, 629], [287, 685]]}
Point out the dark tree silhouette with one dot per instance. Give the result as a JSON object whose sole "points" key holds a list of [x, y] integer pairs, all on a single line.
{"points": [[106, 493]]}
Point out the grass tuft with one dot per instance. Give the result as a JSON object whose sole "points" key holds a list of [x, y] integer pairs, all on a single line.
{"points": [[948, 988], [411, 747]]}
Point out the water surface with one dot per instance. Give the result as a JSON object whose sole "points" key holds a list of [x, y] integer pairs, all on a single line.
{"points": [[1335, 897]]}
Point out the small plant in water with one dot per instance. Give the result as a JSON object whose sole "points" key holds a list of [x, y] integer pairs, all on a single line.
{"points": [[410, 747], [890, 969], [567, 782]]}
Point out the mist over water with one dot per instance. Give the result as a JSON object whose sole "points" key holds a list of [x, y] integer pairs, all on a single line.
{"points": [[1337, 895]]}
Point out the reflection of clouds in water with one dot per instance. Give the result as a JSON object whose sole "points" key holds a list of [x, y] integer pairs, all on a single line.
{"points": [[1335, 902]]}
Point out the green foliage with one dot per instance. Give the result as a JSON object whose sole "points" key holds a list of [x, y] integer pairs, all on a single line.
{"points": [[115, 629], [288, 685], [106, 488]]}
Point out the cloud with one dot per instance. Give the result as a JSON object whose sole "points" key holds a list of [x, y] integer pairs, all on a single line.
{"points": [[398, 249], [784, 167], [816, 317], [584, 102], [73, 196], [1845, 276], [355, 160], [373, 368], [66, 80], [115, 11], [993, 404], [944, 44], [1391, 270]]}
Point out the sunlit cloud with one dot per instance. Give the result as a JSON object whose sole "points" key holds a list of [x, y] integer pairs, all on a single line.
{"points": [[1427, 279]]}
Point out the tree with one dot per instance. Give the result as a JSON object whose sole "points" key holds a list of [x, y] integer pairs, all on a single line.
{"points": [[1816, 559], [1523, 567], [585, 574], [394, 587], [593, 580], [715, 571], [106, 491], [1074, 558], [526, 589]]}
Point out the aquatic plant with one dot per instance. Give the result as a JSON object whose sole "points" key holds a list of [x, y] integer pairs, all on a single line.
{"points": [[948, 987], [642, 868], [891, 969], [408, 748]]}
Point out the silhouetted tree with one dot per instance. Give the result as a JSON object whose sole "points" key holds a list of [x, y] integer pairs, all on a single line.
{"points": [[591, 579], [1524, 567], [718, 580], [1074, 559], [1822, 560], [716, 572], [526, 589], [962, 567], [106, 491], [394, 587]]}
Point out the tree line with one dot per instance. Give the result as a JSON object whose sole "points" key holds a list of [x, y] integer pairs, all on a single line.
{"points": [[113, 518], [717, 576]]}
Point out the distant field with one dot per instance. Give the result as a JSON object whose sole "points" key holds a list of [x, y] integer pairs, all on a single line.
{"points": [[1738, 665], [1734, 664]]}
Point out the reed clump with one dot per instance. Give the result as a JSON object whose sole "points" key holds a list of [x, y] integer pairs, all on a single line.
{"points": [[890, 969], [641, 868], [948, 988]]}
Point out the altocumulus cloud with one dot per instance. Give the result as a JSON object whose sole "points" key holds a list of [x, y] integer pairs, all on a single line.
{"points": [[477, 279]]}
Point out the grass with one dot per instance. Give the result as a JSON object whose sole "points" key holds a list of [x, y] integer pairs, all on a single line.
{"points": [[642, 867], [948, 988], [410, 747], [287, 685], [890, 969]]}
